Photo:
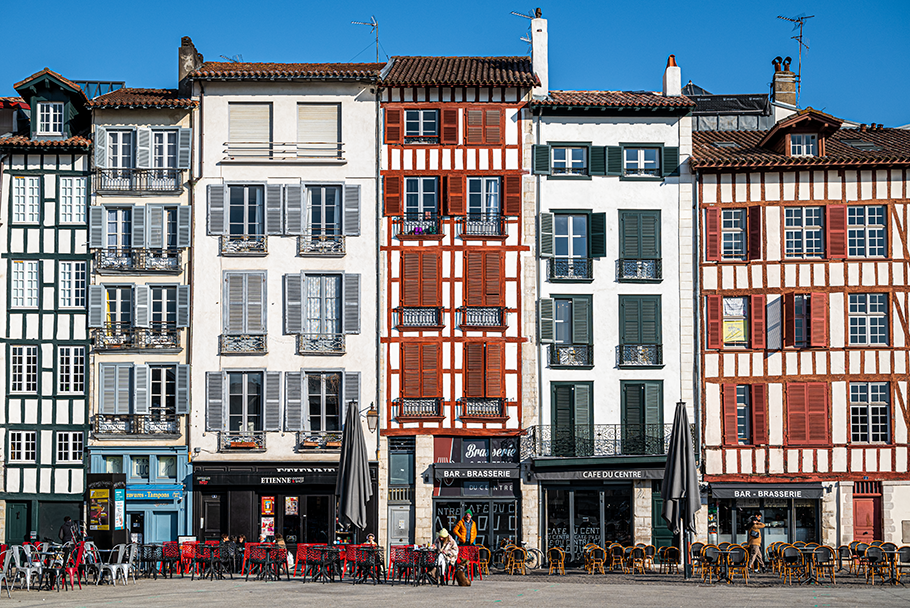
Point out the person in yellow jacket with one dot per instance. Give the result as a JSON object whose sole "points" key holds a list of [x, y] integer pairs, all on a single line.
{"points": [[465, 530]]}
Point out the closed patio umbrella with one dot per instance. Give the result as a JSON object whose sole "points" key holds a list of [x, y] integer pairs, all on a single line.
{"points": [[352, 487], [680, 484]]}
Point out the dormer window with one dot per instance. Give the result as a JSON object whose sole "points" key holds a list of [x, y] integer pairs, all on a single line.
{"points": [[50, 118], [803, 144]]}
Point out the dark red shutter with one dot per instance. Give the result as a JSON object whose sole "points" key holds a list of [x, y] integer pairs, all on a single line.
{"points": [[817, 413], [493, 126], [449, 126], [797, 433], [818, 323], [410, 278], [429, 370], [473, 369], [758, 324], [474, 127], [731, 427], [410, 370], [429, 279], [393, 126], [493, 371], [714, 320], [759, 414], [455, 195], [492, 278], [392, 185], [789, 320], [473, 278], [837, 231], [712, 234], [512, 199], [755, 233]]}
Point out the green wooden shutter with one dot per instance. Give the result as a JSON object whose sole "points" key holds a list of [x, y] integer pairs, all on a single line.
{"points": [[541, 156], [546, 321], [584, 429], [629, 235], [632, 403], [670, 165], [650, 319], [598, 235], [629, 320], [614, 160], [564, 427], [598, 160], [545, 248], [649, 239], [581, 320], [654, 402]]}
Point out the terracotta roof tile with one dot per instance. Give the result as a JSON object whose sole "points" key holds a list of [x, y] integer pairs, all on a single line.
{"points": [[13, 102], [613, 99], [50, 72], [286, 71], [141, 98], [461, 71], [20, 141]]}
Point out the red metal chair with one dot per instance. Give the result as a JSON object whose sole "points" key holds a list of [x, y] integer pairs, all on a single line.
{"points": [[300, 557], [187, 553], [470, 554]]}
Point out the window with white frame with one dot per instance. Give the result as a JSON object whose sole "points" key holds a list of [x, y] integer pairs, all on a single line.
{"points": [[323, 305], [72, 284], [324, 210], [119, 228], [736, 322], [71, 369], [569, 160], [164, 306], [421, 200], [804, 232], [870, 412], [324, 401], [483, 198], [733, 234], [163, 391], [245, 401], [641, 162], [120, 149], [24, 284], [164, 149], [246, 211], [50, 118], [866, 231], [119, 313], [26, 200], [23, 446], [72, 200], [800, 320], [421, 123], [70, 446], [803, 144], [570, 235], [868, 319], [743, 414], [24, 369]]}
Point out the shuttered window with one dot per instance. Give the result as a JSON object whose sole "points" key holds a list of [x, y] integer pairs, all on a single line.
{"points": [[244, 303], [639, 320], [642, 416], [745, 414], [483, 370], [572, 320], [483, 278], [420, 279], [572, 419], [807, 413], [116, 395], [639, 234], [243, 402], [250, 122], [420, 370], [483, 126], [319, 130], [837, 231]]}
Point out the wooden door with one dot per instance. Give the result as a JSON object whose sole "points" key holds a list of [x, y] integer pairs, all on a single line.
{"points": [[17, 522], [867, 518]]}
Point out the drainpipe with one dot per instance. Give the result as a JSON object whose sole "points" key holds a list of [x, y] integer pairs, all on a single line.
{"points": [[541, 524], [696, 293], [377, 220]]}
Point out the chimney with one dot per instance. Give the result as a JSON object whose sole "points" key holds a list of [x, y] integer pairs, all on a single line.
{"points": [[672, 78], [783, 89], [539, 54], [188, 59]]}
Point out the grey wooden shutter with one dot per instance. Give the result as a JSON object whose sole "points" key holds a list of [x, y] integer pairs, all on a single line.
{"points": [[214, 401], [584, 429], [255, 303], [143, 148], [351, 391], [614, 160], [670, 164], [650, 235], [95, 227], [184, 145], [654, 410], [216, 219], [183, 390], [541, 159], [581, 321], [141, 308], [234, 303], [96, 298], [546, 321], [141, 389], [272, 401], [124, 390], [293, 304], [100, 144], [157, 228], [293, 210], [249, 122], [108, 394], [352, 303], [598, 235], [138, 218], [183, 306], [598, 160], [184, 225], [273, 209], [352, 210], [545, 235], [293, 401]]}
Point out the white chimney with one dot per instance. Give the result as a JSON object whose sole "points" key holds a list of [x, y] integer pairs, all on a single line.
{"points": [[539, 55], [672, 78]]}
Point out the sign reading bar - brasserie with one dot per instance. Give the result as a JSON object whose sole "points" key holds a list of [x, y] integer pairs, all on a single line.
{"points": [[491, 471], [767, 490]]}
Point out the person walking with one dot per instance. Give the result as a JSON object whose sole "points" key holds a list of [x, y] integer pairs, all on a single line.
{"points": [[755, 549], [466, 529], [67, 530]]}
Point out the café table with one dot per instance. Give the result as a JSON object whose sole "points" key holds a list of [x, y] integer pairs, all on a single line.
{"points": [[368, 564], [326, 558], [424, 562], [725, 563], [891, 555], [808, 554]]}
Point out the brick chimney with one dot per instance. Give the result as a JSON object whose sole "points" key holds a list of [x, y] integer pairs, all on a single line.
{"points": [[672, 78], [539, 55], [783, 89], [188, 59]]}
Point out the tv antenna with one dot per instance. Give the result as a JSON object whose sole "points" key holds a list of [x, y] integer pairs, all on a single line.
{"points": [[235, 59], [798, 22], [375, 25], [531, 15]]}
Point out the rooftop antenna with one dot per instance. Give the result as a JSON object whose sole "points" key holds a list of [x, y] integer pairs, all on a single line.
{"points": [[529, 16], [235, 59], [375, 25], [798, 22]]}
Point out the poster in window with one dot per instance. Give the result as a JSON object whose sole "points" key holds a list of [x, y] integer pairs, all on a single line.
{"points": [[268, 505], [99, 509], [290, 505], [267, 527], [734, 330], [119, 509]]}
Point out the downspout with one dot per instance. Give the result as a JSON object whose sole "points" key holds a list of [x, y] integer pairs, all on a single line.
{"points": [[696, 293], [541, 524], [377, 221]]}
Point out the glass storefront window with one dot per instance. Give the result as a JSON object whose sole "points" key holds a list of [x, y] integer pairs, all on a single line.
{"points": [[618, 516], [558, 518], [139, 467], [724, 523], [776, 518], [167, 467], [805, 521], [785, 520], [113, 464], [587, 519]]}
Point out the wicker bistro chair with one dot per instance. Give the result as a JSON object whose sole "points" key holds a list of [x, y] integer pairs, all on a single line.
{"points": [[859, 559], [843, 555], [738, 562], [597, 559], [617, 557], [650, 552], [710, 563], [671, 559], [695, 556], [825, 563], [557, 559], [876, 563], [902, 561], [791, 563], [637, 560], [483, 558], [516, 561]]}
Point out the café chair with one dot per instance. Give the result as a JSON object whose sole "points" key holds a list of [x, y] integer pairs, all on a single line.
{"points": [[737, 561], [557, 559], [597, 558], [671, 559], [876, 562], [825, 564], [483, 559]]}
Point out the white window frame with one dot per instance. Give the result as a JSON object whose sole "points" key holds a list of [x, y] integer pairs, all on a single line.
{"points": [[250, 227], [72, 284], [26, 199], [324, 377], [804, 232], [71, 370], [162, 391], [118, 227], [635, 162], [121, 151], [870, 412], [571, 237], [23, 446], [250, 422], [24, 284], [164, 149], [119, 301], [163, 306], [23, 368], [803, 144], [484, 200], [427, 123], [733, 232], [801, 320], [324, 228], [70, 446], [422, 196], [861, 232], [744, 414], [564, 161], [729, 315], [72, 200], [50, 118], [319, 315], [863, 319]]}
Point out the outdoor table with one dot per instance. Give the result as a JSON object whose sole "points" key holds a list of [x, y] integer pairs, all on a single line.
{"points": [[328, 556], [891, 556], [725, 563], [49, 571], [808, 554], [368, 564], [426, 561]]}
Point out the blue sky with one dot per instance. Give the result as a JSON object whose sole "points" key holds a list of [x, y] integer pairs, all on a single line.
{"points": [[855, 67]]}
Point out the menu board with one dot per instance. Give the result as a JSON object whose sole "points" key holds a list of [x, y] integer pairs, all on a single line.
{"points": [[99, 509]]}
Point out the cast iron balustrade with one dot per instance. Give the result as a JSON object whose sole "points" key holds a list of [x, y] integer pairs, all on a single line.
{"points": [[640, 270], [320, 344], [596, 440], [242, 344], [401, 494], [482, 316], [284, 150], [241, 441], [571, 269], [424, 407], [123, 336], [164, 423], [318, 440], [419, 223], [483, 407], [571, 355], [244, 245], [421, 140], [328, 245], [483, 224], [641, 355], [138, 260], [138, 180], [419, 316]]}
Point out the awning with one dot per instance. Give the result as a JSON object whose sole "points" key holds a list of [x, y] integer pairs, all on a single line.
{"points": [[476, 471], [767, 490]]}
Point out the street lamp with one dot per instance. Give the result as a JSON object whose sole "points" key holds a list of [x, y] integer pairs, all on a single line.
{"points": [[372, 418]]}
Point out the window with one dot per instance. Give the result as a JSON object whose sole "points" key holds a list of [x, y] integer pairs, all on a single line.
{"points": [[800, 320], [324, 210], [483, 126], [641, 162], [868, 315], [420, 370], [72, 200], [26, 200], [119, 306], [323, 306], [565, 322], [119, 228], [866, 231], [804, 232], [421, 123], [572, 418], [245, 396], [69, 447], [639, 245], [163, 391], [113, 464], [570, 238], [50, 118], [72, 284], [733, 234], [164, 306], [24, 284], [157, 392], [642, 417], [318, 130], [483, 198], [245, 212], [324, 401], [139, 467], [803, 144], [483, 376], [164, 150], [870, 412], [250, 128], [569, 161], [71, 369], [22, 446], [120, 149], [167, 467], [24, 369], [735, 322], [245, 297], [421, 197], [807, 413], [420, 289], [745, 414], [640, 331], [483, 278]]}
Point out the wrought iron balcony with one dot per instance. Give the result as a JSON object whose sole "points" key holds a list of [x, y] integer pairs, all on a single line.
{"points": [[571, 269], [284, 150], [241, 441], [318, 440], [401, 494], [164, 423], [482, 316], [138, 180], [422, 316], [138, 260], [596, 440], [242, 344], [641, 355], [328, 245], [571, 355], [420, 224], [483, 224], [123, 336], [244, 245], [640, 270], [320, 344], [424, 407], [424, 139], [482, 407]]}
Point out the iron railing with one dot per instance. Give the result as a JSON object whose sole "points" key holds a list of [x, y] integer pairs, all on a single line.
{"points": [[575, 269], [641, 355], [257, 244], [596, 440], [403, 494], [571, 355], [318, 440], [482, 316], [422, 316], [483, 224], [284, 150], [138, 260], [163, 423], [482, 407], [420, 407], [124, 336], [422, 223], [241, 441], [138, 180], [320, 245], [242, 344], [320, 344], [640, 270]]}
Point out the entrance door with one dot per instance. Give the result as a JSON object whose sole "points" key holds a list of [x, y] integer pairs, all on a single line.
{"points": [[660, 534], [320, 518], [137, 527], [212, 516], [164, 527], [400, 525], [586, 520], [16, 522], [867, 518]]}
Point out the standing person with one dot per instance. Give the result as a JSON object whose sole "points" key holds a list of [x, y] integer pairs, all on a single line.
{"points": [[448, 554], [67, 530], [466, 530], [755, 541]]}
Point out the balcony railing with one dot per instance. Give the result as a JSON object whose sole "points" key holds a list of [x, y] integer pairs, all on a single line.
{"points": [[137, 424], [401, 494], [596, 440], [138, 180], [422, 316], [640, 270], [571, 355], [482, 316], [138, 260], [423, 223], [123, 336], [428, 407], [318, 440], [244, 245], [242, 344], [641, 355], [284, 150], [482, 407], [574, 269], [241, 441], [320, 344], [329, 245], [483, 224]]}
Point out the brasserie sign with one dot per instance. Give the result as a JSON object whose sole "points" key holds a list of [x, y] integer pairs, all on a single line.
{"points": [[492, 471]]}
